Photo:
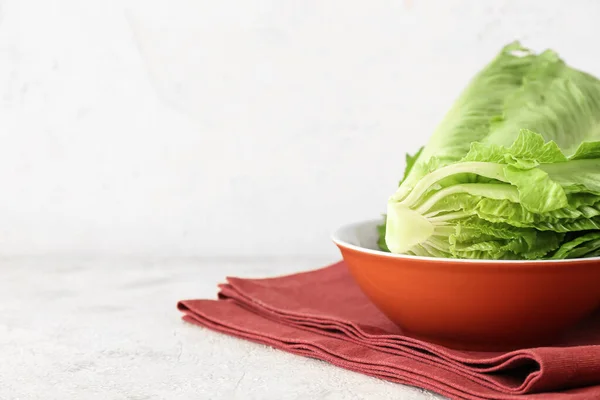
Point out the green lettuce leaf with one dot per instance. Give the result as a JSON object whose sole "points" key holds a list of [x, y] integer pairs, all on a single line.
{"points": [[410, 162], [381, 239], [579, 246]]}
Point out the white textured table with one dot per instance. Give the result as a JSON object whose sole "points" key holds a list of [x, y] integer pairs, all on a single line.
{"points": [[108, 329]]}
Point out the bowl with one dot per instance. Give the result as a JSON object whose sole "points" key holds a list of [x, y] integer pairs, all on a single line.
{"points": [[471, 304]]}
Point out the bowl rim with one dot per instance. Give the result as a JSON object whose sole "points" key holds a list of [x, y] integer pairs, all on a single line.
{"points": [[336, 238]]}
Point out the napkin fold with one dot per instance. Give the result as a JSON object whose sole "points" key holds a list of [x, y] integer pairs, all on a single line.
{"points": [[323, 314]]}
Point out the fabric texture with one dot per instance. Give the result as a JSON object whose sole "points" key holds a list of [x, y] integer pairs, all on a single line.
{"points": [[323, 314]]}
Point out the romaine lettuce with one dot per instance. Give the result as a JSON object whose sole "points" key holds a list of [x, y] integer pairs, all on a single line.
{"points": [[511, 172]]}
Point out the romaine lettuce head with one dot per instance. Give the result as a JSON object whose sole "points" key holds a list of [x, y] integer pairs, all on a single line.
{"points": [[512, 171]]}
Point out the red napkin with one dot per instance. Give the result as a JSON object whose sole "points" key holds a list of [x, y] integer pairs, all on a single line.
{"points": [[323, 314]]}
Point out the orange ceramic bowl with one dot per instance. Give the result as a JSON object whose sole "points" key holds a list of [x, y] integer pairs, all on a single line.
{"points": [[471, 304]]}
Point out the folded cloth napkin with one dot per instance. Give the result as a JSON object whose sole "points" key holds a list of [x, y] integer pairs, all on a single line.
{"points": [[323, 314]]}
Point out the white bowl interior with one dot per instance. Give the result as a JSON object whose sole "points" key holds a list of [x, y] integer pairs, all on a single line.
{"points": [[360, 234]]}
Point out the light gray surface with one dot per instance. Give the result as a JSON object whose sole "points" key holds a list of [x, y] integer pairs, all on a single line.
{"points": [[108, 329]]}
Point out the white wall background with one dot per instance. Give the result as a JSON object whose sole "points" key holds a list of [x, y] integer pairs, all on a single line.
{"points": [[234, 127]]}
